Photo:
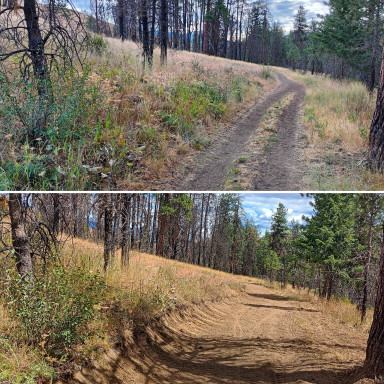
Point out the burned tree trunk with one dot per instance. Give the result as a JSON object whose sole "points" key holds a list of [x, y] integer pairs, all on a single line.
{"points": [[152, 36], [374, 362], [163, 31], [121, 19], [125, 240], [144, 18], [20, 239], [108, 217], [36, 45]]}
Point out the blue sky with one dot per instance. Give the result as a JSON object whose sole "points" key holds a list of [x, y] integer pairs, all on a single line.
{"points": [[261, 206]]}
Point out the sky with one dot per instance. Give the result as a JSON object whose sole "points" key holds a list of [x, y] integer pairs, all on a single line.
{"points": [[261, 206], [284, 11]]}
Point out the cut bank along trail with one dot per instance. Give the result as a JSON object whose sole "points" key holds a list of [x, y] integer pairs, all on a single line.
{"points": [[258, 337], [279, 170]]}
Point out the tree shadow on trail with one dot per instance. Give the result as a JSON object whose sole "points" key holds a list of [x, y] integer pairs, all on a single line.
{"points": [[282, 308], [269, 296], [176, 357]]}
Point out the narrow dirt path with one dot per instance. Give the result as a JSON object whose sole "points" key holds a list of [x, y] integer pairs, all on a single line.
{"points": [[208, 170], [259, 337]]}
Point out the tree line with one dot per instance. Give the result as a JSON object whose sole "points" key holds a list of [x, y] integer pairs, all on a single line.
{"points": [[346, 43], [338, 250]]}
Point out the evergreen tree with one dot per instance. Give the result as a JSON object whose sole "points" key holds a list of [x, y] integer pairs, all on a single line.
{"points": [[342, 33], [279, 233], [330, 238]]}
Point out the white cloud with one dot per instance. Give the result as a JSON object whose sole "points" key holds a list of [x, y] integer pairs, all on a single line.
{"points": [[260, 207]]}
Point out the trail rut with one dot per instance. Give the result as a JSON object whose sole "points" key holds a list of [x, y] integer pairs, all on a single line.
{"points": [[259, 337], [280, 168]]}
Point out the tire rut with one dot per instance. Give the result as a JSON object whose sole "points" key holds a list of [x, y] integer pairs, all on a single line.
{"points": [[281, 168], [208, 170]]}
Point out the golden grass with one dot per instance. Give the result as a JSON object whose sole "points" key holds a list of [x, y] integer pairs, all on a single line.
{"points": [[337, 117], [341, 310], [137, 120], [182, 66]]}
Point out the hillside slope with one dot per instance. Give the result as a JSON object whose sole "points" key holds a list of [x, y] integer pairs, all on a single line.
{"points": [[260, 336]]}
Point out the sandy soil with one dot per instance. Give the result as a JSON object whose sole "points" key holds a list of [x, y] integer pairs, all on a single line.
{"points": [[280, 168], [257, 337]]}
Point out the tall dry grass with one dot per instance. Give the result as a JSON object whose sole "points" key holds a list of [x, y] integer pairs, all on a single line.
{"points": [[337, 116], [135, 296], [340, 309]]}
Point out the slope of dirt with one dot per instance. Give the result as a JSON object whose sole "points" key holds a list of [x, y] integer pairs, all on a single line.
{"points": [[208, 169], [257, 337]]}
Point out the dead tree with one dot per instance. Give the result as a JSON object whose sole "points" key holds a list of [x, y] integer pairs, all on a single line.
{"points": [[163, 31], [35, 37], [125, 236], [20, 238]]}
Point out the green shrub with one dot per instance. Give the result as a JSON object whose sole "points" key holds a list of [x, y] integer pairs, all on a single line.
{"points": [[70, 113], [97, 44], [266, 73], [192, 103], [55, 309]]}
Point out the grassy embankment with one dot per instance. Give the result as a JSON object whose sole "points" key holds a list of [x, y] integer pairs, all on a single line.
{"points": [[115, 125], [337, 117], [131, 299]]}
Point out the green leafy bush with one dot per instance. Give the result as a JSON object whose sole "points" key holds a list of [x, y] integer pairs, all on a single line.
{"points": [[56, 307], [192, 103], [70, 113], [97, 44]]}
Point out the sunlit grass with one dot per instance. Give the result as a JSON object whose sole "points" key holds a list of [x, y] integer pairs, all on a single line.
{"points": [[337, 116]]}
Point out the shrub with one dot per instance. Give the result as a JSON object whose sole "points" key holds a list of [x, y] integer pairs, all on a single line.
{"points": [[56, 307], [97, 44], [266, 73], [70, 113], [192, 103]]}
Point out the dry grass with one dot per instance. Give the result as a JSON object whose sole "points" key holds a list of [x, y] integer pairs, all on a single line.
{"points": [[340, 309], [136, 296], [136, 123], [184, 283], [337, 117]]}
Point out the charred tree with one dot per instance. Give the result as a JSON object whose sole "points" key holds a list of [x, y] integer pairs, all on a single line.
{"points": [[20, 238], [163, 31]]}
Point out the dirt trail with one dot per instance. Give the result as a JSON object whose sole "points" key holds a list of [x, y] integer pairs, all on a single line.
{"points": [[208, 170], [259, 337]]}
